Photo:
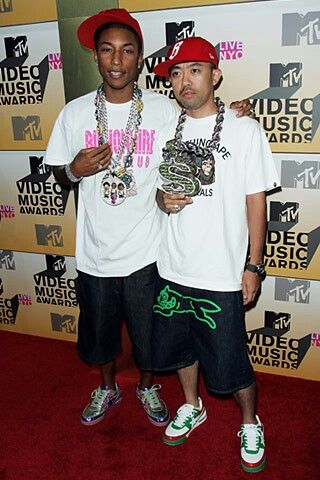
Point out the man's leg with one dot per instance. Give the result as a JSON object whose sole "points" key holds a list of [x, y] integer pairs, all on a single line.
{"points": [[246, 399], [188, 378], [99, 340], [138, 295], [146, 379], [253, 456], [107, 372]]}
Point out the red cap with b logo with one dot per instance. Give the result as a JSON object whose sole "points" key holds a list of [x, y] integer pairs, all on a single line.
{"points": [[192, 49]]}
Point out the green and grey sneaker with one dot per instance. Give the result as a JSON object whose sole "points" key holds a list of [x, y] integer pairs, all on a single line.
{"points": [[154, 406], [253, 458], [102, 400], [187, 419]]}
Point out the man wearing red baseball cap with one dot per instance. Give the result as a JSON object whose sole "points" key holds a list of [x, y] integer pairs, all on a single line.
{"points": [[215, 172], [104, 142]]}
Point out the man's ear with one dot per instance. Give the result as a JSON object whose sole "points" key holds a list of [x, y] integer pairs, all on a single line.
{"points": [[95, 56], [216, 76], [140, 63]]}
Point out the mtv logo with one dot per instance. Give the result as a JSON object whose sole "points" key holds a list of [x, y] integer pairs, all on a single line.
{"points": [[296, 290], [63, 323], [300, 174], [283, 216], [7, 260], [56, 266], [6, 6], [289, 75], [56, 263], [298, 28], [16, 46], [49, 235], [179, 31], [37, 167], [280, 322], [26, 127]]}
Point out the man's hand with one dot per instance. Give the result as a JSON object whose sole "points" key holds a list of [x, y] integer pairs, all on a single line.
{"points": [[243, 108], [172, 202], [251, 284], [90, 161]]}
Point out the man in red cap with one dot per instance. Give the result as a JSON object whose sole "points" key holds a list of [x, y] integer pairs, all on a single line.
{"points": [[105, 143], [215, 169]]}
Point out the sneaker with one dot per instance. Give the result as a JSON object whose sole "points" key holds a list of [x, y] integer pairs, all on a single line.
{"points": [[153, 405], [102, 401], [253, 457], [187, 419]]}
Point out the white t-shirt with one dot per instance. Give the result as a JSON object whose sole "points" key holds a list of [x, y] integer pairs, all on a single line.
{"points": [[205, 245], [114, 240]]}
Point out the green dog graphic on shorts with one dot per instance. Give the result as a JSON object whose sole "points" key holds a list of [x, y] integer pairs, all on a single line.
{"points": [[169, 302]]}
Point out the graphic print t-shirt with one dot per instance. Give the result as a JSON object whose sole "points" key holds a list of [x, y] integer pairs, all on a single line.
{"points": [[114, 240], [205, 245]]}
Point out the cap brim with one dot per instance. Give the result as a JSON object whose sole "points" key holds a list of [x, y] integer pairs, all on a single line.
{"points": [[88, 27], [162, 70]]}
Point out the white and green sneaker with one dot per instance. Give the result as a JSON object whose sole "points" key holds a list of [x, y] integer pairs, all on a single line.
{"points": [[187, 419], [253, 458], [102, 400]]}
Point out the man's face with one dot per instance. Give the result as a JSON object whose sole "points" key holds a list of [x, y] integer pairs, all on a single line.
{"points": [[206, 167], [192, 84], [118, 58]]}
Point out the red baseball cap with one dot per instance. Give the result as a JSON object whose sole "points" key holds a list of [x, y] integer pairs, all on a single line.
{"points": [[192, 49], [88, 27]]}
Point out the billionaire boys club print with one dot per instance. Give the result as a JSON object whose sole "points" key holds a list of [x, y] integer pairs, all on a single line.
{"points": [[144, 145]]}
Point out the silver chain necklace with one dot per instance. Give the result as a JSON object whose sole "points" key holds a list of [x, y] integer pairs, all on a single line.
{"points": [[118, 181], [181, 168]]}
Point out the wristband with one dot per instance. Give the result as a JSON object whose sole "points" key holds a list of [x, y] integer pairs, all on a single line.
{"points": [[70, 175]]}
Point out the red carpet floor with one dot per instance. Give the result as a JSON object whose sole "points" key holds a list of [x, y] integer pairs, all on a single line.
{"points": [[44, 387]]}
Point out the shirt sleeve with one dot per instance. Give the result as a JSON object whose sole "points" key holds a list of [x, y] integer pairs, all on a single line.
{"points": [[59, 146], [261, 173]]}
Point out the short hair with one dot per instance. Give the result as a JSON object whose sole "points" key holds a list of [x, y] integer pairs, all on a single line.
{"points": [[105, 26]]}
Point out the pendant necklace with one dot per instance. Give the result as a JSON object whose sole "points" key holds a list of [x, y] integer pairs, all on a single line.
{"points": [[118, 183], [186, 166]]}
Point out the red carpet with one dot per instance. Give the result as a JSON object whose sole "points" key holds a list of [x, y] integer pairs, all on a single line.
{"points": [[44, 387]]}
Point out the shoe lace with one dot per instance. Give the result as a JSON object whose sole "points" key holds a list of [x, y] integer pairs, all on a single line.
{"points": [[152, 398], [98, 396], [251, 435], [184, 413]]}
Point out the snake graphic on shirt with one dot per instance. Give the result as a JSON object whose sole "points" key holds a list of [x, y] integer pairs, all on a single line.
{"points": [[170, 302]]}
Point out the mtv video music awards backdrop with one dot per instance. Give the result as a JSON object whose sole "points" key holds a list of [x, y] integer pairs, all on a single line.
{"points": [[283, 328], [269, 52], [37, 290], [38, 294], [37, 214]]}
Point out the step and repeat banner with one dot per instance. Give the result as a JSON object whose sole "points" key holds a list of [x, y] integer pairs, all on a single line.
{"points": [[269, 52], [37, 214]]}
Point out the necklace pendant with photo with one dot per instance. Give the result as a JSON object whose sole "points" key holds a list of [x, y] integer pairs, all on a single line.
{"points": [[113, 190], [118, 182], [180, 175]]}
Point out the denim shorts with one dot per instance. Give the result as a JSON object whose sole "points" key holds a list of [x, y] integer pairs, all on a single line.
{"points": [[191, 324], [107, 301]]}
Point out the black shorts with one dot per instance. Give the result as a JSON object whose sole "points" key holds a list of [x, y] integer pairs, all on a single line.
{"points": [[192, 324], [104, 303]]}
